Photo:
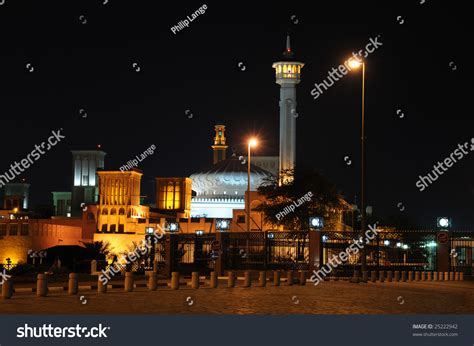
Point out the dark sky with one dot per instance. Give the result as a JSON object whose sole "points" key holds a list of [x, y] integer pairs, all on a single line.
{"points": [[90, 66]]}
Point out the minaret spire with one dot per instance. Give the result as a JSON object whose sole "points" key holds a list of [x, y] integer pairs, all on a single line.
{"points": [[288, 75], [288, 53]]}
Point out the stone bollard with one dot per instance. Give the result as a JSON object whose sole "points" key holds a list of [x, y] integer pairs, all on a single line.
{"points": [[153, 281], [128, 285], [389, 276], [289, 276], [276, 278], [440, 276], [93, 266], [397, 275], [262, 279], [7, 289], [42, 285], [456, 276], [73, 284], [365, 276], [231, 280], [461, 276], [175, 280], [213, 280], [404, 276], [417, 276], [195, 280], [373, 276], [247, 279], [423, 276], [410, 275], [381, 276], [451, 276], [446, 276], [303, 278], [355, 277], [429, 276], [435, 276], [101, 287]]}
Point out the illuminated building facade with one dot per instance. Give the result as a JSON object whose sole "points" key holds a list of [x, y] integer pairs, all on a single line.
{"points": [[174, 194], [119, 208]]}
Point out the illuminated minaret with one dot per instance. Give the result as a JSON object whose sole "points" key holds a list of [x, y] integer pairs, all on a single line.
{"points": [[219, 146], [288, 72]]}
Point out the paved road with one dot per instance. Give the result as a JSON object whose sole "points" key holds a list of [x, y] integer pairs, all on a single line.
{"points": [[326, 298]]}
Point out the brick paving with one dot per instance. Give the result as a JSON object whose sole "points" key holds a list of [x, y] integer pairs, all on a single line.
{"points": [[327, 298]]}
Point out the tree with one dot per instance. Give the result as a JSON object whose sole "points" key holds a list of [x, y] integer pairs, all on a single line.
{"points": [[98, 249], [306, 192]]}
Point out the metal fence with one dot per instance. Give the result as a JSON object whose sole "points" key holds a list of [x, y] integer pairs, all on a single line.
{"points": [[285, 250], [389, 250], [462, 252], [267, 250]]}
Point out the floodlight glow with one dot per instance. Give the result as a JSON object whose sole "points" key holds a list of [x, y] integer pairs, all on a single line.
{"points": [[399, 244], [405, 246], [316, 222], [172, 226], [223, 224], [444, 222], [386, 242]]}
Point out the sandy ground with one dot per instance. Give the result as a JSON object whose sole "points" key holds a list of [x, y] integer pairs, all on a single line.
{"points": [[326, 298]]}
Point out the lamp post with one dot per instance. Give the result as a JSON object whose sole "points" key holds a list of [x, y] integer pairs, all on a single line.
{"points": [[355, 65], [252, 143]]}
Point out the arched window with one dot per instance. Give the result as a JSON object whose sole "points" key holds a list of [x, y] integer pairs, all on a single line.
{"points": [[105, 211], [121, 211], [113, 211]]}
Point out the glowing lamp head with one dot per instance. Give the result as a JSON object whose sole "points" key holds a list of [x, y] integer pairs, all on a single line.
{"points": [[315, 222], [172, 226], [252, 142], [15, 210], [443, 222], [354, 63], [223, 224]]}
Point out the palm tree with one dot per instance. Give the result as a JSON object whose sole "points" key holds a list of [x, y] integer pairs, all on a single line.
{"points": [[290, 190], [98, 249]]}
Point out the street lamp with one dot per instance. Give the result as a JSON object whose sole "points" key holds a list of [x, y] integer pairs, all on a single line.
{"points": [[252, 143], [355, 64]]}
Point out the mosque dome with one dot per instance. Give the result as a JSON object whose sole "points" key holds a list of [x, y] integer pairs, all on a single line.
{"points": [[228, 178]]}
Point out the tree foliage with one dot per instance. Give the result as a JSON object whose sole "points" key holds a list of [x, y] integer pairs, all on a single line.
{"points": [[295, 184]]}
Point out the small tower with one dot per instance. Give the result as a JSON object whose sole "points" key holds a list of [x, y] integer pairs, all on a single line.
{"points": [[219, 146], [288, 73], [85, 164]]}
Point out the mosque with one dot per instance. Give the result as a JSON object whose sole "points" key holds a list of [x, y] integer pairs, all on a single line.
{"points": [[105, 205]]}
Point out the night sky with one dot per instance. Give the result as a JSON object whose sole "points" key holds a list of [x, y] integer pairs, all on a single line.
{"points": [[91, 67]]}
